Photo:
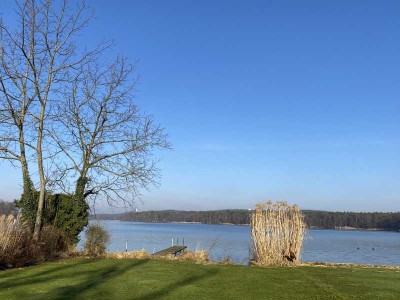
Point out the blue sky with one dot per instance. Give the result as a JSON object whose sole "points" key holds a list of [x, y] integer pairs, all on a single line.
{"points": [[263, 100]]}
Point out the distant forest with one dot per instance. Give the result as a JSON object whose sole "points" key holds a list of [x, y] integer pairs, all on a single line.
{"points": [[7, 208], [314, 219]]}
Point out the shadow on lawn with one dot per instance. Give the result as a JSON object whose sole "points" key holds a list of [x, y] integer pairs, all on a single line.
{"points": [[13, 279], [91, 278], [179, 284], [60, 281], [94, 278]]}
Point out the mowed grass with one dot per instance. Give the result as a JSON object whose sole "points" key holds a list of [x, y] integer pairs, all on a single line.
{"points": [[159, 279]]}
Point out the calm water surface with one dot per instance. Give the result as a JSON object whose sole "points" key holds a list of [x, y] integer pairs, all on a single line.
{"points": [[223, 241]]}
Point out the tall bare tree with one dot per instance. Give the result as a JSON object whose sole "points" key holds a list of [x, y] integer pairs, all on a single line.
{"points": [[106, 141], [69, 115], [38, 58], [17, 95]]}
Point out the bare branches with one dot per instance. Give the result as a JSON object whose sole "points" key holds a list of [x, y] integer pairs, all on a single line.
{"points": [[115, 141], [36, 58], [71, 111]]}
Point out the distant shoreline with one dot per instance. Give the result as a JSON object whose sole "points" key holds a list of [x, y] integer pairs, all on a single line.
{"points": [[314, 219], [345, 228]]}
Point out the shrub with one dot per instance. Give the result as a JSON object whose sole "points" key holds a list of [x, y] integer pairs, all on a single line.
{"points": [[97, 240], [53, 243], [18, 249]]}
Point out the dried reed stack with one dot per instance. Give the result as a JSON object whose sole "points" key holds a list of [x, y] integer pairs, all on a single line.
{"points": [[277, 230]]}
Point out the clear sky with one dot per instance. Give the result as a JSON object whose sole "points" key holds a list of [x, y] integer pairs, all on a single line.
{"points": [[263, 100]]}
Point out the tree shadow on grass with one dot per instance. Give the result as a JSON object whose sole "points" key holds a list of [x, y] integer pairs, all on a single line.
{"points": [[94, 278], [91, 277], [179, 284], [13, 279], [63, 282]]}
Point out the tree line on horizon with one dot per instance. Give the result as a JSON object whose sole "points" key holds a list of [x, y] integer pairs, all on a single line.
{"points": [[314, 219]]}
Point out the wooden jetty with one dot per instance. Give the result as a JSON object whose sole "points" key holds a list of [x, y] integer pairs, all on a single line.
{"points": [[174, 250]]}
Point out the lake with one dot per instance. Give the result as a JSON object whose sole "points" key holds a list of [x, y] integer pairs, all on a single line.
{"points": [[223, 241]]}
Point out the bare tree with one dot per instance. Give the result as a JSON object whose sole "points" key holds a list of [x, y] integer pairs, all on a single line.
{"points": [[17, 94], [108, 142], [68, 115], [38, 58]]}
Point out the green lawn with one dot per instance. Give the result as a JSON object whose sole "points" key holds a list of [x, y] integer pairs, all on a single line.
{"points": [[153, 279]]}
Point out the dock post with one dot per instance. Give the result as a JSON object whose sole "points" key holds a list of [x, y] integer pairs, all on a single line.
{"points": [[172, 243]]}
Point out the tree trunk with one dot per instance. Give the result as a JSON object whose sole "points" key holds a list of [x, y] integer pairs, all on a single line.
{"points": [[80, 186], [27, 181], [27, 203], [41, 202], [39, 214]]}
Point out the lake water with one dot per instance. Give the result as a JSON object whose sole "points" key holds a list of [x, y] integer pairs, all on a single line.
{"points": [[222, 241]]}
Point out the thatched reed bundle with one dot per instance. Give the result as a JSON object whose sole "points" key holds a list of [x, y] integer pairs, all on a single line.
{"points": [[277, 230]]}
